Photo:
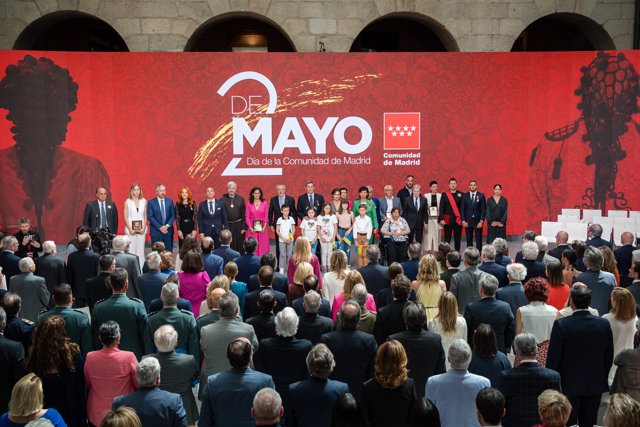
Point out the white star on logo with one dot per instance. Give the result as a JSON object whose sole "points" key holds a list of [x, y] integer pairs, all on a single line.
{"points": [[413, 128], [409, 133], [394, 133], [401, 133], [406, 128], [398, 128], [390, 128]]}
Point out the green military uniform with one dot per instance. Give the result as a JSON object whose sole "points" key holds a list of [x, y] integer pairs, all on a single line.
{"points": [[185, 326], [127, 312], [76, 323]]}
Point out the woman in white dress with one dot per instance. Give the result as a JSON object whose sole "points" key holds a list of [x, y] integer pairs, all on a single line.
{"points": [[135, 221], [623, 320], [448, 323], [333, 280]]}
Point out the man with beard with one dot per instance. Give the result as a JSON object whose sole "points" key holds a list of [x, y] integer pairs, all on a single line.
{"points": [[235, 208], [28, 241], [44, 181], [450, 216]]}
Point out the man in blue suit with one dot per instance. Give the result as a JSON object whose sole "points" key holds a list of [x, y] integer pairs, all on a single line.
{"points": [[474, 210], [600, 283], [213, 264], [212, 217], [249, 263], [309, 199], [8, 259], [310, 283], [228, 396], [513, 293], [155, 407], [224, 250], [311, 400], [581, 351], [595, 236], [410, 267], [492, 312], [150, 283], [489, 265], [161, 214], [523, 384]]}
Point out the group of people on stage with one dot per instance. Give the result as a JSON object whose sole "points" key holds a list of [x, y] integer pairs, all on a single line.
{"points": [[409, 215]]}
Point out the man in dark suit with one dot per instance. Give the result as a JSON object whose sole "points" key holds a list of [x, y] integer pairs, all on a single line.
{"points": [[410, 267], [389, 318], [600, 283], [594, 236], [311, 401], [129, 262], [405, 191], [534, 267], [213, 264], [308, 199], [375, 275], [310, 283], [414, 211], [627, 378], [101, 214], [490, 266], [29, 243], [474, 210], [280, 281], [31, 288], [354, 350], [98, 287], [523, 384], [283, 357], [450, 213], [453, 266], [51, 267], [528, 236], [388, 202], [8, 259], [275, 205], [495, 313], [150, 283], [161, 213], [154, 407], [250, 306], [425, 354], [624, 255], [249, 263], [227, 396], [82, 265], [224, 251], [212, 217], [12, 360], [264, 324], [581, 351], [465, 285], [311, 326], [513, 293], [562, 239], [17, 329]]}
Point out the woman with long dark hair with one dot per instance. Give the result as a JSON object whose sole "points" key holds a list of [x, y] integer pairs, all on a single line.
{"points": [[257, 214]]}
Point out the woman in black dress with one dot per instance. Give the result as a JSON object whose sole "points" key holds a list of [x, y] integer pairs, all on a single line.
{"points": [[185, 215], [496, 215]]}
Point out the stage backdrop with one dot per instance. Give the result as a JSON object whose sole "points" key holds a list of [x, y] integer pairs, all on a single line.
{"points": [[555, 129]]}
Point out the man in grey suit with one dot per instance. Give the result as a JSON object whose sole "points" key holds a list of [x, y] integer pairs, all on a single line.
{"points": [[31, 288], [178, 370], [465, 285], [51, 267], [388, 202], [215, 338], [601, 283], [127, 261], [227, 397]]}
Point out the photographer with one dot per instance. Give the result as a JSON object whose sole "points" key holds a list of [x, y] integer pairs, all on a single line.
{"points": [[28, 240]]}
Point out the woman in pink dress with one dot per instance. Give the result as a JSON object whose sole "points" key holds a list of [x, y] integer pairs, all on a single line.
{"points": [[193, 280], [257, 214]]}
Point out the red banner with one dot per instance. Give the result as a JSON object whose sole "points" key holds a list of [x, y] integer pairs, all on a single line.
{"points": [[555, 129]]}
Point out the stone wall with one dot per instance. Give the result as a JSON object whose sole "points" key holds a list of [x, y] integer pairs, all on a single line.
{"points": [[480, 25]]}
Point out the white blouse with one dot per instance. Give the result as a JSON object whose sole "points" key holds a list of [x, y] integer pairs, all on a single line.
{"points": [[537, 319], [448, 338], [331, 286], [623, 333]]}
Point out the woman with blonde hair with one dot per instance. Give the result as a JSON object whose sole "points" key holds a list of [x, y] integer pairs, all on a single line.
{"points": [[302, 253], [238, 288], [610, 264], [296, 289], [334, 278], [388, 396], [26, 404], [623, 411], [428, 286], [121, 417], [166, 263], [135, 221], [58, 362], [622, 319], [554, 409], [220, 281], [448, 323], [352, 278]]}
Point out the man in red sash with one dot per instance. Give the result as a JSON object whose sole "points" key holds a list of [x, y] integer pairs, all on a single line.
{"points": [[450, 216]]}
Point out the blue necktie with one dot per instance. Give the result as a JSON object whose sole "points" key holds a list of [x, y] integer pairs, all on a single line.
{"points": [[164, 214], [103, 216]]}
